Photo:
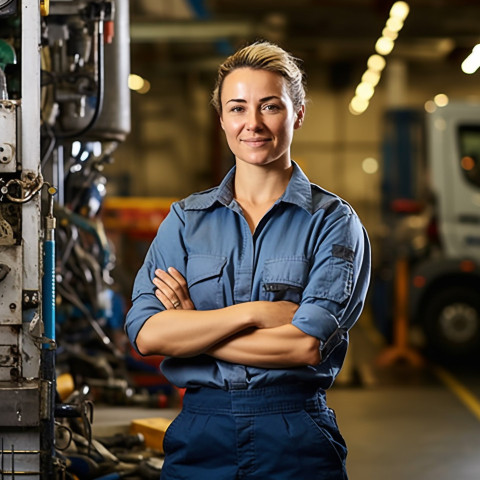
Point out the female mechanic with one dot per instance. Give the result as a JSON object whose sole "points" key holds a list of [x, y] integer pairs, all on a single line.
{"points": [[256, 283]]}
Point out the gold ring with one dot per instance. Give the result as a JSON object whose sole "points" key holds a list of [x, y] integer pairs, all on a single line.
{"points": [[176, 304]]}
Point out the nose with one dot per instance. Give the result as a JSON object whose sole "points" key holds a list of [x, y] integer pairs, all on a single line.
{"points": [[254, 122]]}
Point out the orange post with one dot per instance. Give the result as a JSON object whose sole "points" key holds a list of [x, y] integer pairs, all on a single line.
{"points": [[400, 350]]}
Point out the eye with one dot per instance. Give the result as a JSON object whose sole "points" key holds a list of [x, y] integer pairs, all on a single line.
{"points": [[236, 109], [271, 107]]}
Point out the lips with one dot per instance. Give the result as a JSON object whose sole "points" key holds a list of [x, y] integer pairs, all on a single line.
{"points": [[256, 142]]}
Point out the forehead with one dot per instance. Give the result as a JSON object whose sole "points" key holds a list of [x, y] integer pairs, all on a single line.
{"points": [[248, 82]]}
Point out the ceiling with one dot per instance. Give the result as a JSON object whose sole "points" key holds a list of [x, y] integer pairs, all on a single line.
{"points": [[194, 34]]}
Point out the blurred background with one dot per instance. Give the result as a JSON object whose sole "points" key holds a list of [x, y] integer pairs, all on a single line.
{"points": [[176, 147], [126, 127]]}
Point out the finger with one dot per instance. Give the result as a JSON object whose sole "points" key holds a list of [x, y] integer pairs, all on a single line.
{"points": [[169, 297], [166, 301], [174, 273], [168, 279], [165, 288], [174, 279]]}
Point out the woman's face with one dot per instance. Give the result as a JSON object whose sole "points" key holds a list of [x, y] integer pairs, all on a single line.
{"points": [[258, 116]]}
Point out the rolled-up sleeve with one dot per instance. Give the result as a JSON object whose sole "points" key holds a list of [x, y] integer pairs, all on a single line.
{"points": [[335, 293], [165, 251]]}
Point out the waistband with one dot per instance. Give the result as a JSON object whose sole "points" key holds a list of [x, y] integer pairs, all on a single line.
{"points": [[271, 399]]}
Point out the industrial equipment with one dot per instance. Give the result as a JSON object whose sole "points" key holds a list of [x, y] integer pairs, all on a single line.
{"points": [[64, 107]]}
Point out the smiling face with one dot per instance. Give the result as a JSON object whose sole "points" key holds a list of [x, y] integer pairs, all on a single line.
{"points": [[258, 116]]}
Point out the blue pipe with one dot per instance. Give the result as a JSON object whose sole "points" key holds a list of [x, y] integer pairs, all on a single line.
{"points": [[48, 280], [48, 288]]}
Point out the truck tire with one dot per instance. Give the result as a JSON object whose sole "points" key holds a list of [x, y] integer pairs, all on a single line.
{"points": [[452, 322]]}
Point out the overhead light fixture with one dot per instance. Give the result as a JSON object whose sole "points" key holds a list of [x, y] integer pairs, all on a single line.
{"points": [[472, 63], [358, 105], [138, 83], [365, 90], [441, 100], [376, 62], [384, 45], [372, 77], [391, 34], [399, 10], [394, 24], [370, 165]]}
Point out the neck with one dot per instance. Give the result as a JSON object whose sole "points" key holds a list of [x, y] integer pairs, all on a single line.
{"points": [[259, 184]]}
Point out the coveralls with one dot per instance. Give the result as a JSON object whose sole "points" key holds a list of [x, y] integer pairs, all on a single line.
{"points": [[242, 422]]}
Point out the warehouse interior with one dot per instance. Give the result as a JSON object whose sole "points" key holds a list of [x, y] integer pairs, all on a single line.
{"points": [[126, 128]]}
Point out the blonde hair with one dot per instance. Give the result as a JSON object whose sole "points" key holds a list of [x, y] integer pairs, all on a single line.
{"points": [[264, 56]]}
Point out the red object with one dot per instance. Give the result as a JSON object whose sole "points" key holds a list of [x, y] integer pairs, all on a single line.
{"points": [[108, 31], [406, 205]]}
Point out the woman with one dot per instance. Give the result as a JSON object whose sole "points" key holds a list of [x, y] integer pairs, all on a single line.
{"points": [[255, 285]]}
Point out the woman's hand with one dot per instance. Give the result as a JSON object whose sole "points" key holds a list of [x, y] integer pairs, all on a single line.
{"points": [[172, 290]]}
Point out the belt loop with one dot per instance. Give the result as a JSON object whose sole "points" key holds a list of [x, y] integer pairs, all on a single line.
{"points": [[237, 385]]}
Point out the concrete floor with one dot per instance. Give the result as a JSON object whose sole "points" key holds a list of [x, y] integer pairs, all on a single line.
{"points": [[400, 422]]}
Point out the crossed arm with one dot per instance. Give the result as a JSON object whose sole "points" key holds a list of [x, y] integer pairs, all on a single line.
{"points": [[257, 334]]}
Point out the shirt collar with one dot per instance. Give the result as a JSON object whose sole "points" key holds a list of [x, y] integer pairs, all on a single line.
{"points": [[298, 192]]}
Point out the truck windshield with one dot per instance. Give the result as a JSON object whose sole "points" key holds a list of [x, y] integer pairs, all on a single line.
{"points": [[469, 144]]}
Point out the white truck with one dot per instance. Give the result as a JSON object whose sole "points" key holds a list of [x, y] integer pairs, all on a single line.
{"points": [[437, 232]]}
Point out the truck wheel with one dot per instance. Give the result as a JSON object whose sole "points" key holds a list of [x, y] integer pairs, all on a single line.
{"points": [[452, 322]]}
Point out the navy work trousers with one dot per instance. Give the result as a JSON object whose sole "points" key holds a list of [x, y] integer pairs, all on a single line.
{"points": [[272, 433]]}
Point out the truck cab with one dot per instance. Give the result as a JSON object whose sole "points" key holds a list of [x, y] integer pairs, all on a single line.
{"points": [[433, 222], [445, 284]]}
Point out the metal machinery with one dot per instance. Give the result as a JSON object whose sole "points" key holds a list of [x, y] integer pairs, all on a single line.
{"points": [[64, 107]]}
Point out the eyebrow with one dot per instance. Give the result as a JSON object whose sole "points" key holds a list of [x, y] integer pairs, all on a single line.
{"points": [[264, 99]]}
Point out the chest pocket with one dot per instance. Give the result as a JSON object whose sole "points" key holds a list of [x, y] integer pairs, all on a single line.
{"points": [[284, 279], [204, 279]]}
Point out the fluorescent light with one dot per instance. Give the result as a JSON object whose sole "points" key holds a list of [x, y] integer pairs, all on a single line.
{"points": [[472, 63], [365, 90], [394, 24], [376, 62], [400, 10], [386, 32], [430, 106], [372, 77], [370, 165], [135, 82], [441, 100], [384, 45], [358, 105]]}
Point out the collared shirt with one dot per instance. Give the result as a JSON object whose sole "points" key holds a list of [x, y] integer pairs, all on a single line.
{"points": [[310, 248]]}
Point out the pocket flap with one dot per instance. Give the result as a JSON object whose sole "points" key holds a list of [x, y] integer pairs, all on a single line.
{"points": [[203, 266], [288, 271]]}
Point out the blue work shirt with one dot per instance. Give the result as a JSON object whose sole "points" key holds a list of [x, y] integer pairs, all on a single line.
{"points": [[310, 248]]}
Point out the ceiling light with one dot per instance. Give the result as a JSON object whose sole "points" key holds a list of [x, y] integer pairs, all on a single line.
{"points": [[370, 165], [376, 62], [365, 90], [430, 106], [386, 32], [400, 10], [358, 105], [394, 24], [372, 77], [472, 63], [384, 45], [135, 82], [441, 100]]}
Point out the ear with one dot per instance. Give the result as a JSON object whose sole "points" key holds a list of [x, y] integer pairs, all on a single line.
{"points": [[221, 122], [300, 117]]}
